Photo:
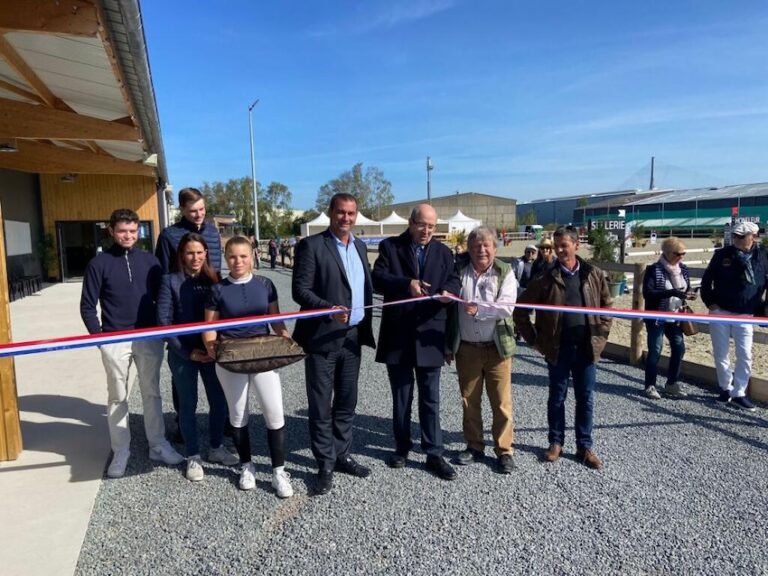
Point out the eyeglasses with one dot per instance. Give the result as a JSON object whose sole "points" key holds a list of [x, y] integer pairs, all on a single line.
{"points": [[679, 253], [547, 248], [424, 225]]}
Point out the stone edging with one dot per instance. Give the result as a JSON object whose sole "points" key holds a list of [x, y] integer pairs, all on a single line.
{"points": [[705, 375]]}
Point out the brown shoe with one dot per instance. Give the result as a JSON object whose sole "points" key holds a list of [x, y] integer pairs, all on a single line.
{"points": [[552, 453], [589, 458]]}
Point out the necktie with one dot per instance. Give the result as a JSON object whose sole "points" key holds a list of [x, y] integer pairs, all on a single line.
{"points": [[421, 254]]}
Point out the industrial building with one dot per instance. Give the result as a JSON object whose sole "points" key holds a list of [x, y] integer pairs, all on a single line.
{"points": [[496, 211]]}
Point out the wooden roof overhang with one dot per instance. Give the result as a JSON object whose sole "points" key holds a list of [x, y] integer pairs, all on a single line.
{"points": [[76, 92]]}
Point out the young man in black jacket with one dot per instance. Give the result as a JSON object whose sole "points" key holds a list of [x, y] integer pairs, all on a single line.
{"points": [[124, 280]]}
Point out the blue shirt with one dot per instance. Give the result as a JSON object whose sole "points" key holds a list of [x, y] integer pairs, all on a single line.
{"points": [[353, 268]]}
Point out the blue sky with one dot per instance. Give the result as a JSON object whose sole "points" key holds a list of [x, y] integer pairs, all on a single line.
{"points": [[525, 99]]}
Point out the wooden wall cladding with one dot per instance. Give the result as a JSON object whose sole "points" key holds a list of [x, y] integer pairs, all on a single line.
{"points": [[95, 197]]}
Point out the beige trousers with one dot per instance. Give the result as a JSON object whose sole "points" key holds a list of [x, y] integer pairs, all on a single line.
{"points": [[475, 366], [117, 360]]}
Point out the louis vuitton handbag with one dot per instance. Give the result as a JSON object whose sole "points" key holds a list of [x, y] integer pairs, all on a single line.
{"points": [[257, 354]]}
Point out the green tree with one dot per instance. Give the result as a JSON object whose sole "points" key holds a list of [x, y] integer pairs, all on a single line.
{"points": [[604, 247], [235, 198], [275, 212], [371, 189], [380, 190]]}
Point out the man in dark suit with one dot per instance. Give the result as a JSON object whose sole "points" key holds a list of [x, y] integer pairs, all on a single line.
{"points": [[331, 270], [412, 337]]}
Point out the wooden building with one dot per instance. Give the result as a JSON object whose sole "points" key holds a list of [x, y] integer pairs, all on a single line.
{"points": [[79, 137]]}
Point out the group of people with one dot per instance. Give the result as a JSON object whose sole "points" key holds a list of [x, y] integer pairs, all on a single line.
{"points": [[182, 284], [733, 284]]}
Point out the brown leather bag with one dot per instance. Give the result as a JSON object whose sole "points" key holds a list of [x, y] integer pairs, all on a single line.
{"points": [[689, 328], [257, 354]]}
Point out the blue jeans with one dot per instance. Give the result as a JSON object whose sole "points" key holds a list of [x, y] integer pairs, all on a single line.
{"points": [[656, 332], [571, 362], [185, 374]]}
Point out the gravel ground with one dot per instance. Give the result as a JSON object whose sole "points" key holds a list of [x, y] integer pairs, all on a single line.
{"points": [[683, 491]]}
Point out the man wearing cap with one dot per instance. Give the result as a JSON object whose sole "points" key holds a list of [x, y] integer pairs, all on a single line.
{"points": [[523, 266], [734, 284], [523, 269]]}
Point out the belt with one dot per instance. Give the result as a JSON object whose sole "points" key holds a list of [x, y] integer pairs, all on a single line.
{"points": [[479, 344]]}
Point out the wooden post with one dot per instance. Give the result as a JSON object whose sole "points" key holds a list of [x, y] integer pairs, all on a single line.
{"points": [[10, 427], [636, 344]]}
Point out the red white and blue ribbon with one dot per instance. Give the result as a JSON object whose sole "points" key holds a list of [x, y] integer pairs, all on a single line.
{"points": [[84, 341], [87, 340]]}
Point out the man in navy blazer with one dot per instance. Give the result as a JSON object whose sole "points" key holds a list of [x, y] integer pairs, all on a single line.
{"points": [[412, 336], [331, 270]]}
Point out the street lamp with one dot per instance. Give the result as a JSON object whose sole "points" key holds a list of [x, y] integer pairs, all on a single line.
{"points": [[253, 175], [429, 179]]}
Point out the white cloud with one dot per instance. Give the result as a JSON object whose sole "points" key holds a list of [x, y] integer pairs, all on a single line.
{"points": [[384, 16]]}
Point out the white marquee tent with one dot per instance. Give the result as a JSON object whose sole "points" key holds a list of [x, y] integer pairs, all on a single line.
{"points": [[393, 224], [314, 226], [461, 221]]}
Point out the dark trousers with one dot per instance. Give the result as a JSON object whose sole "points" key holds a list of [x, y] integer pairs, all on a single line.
{"points": [[401, 380], [572, 362], [656, 332], [185, 374], [332, 395]]}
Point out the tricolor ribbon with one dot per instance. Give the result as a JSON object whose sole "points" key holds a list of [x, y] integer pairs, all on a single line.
{"points": [[85, 341]]}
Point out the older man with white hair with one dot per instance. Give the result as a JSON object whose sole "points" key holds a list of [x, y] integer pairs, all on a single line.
{"points": [[734, 284], [481, 339]]}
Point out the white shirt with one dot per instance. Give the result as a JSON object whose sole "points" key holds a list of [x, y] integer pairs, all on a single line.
{"points": [[483, 289]]}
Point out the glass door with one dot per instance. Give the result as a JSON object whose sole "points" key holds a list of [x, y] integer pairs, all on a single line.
{"points": [[80, 241]]}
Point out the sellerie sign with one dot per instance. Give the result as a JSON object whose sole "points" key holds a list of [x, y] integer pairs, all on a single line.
{"points": [[607, 224]]}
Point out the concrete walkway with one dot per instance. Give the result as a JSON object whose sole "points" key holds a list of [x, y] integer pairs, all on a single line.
{"points": [[48, 493]]}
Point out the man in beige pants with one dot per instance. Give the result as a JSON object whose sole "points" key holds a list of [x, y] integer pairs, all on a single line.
{"points": [[481, 339], [124, 281]]}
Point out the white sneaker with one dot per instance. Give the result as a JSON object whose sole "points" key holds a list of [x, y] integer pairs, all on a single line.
{"points": [[652, 393], [675, 391], [166, 454], [195, 469], [281, 482], [221, 455], [119, 463], [247, 476]]}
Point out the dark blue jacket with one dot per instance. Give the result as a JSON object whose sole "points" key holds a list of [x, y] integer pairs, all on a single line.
{"points": [[413, 334], [125, 283], [169, 239], [181, 300], [655, 289], [723, 283]]}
